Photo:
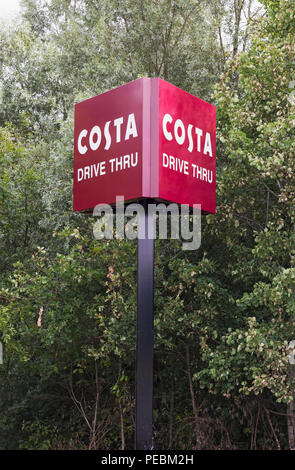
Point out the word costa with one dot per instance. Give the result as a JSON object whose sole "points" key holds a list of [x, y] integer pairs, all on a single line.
{"points": [[203, 142], [95, 135]]}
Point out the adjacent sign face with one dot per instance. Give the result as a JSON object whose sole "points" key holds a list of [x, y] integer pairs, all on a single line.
{"points": [[147, 138], [187, 148]]}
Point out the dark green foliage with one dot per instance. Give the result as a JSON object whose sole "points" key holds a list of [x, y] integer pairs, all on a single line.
{"points": [[224, 314]]}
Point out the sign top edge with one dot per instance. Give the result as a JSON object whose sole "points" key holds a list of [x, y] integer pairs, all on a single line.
{"points": [[115, 88], [145, 79]]}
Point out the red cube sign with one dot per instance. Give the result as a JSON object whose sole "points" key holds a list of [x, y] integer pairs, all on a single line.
{"points": [[145, 139]]}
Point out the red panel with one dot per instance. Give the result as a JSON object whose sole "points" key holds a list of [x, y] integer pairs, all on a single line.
{"points": [[105, 171], [187, 153]]}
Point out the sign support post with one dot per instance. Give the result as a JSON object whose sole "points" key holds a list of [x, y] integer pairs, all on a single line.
{"points": [[146, 141], [145, 331]]}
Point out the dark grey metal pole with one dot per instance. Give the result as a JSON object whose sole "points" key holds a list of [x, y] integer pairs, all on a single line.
{"points": [[145, 333]]}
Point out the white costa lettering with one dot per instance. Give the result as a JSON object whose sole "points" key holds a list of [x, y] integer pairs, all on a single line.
{"points": [[82, 148], [118, 123], [131, 127], [180, 133], [95, 142], [179, 138], [167, 118], [208, 146], [95, 135], [107, 135]]}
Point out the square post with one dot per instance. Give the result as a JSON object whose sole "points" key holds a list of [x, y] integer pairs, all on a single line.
{"points": [[145, 332]]}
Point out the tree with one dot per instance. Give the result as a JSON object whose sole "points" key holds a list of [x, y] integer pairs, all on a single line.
{"points": [[256, 187], [21, 207]]}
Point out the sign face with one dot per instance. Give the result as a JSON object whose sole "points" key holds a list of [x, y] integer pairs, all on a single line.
{"points": [[108, 146], [187, 149], [147, 138]]}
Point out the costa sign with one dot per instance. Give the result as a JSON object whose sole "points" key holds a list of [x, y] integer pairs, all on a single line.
{"points": [[95, 134], [145, 139]]}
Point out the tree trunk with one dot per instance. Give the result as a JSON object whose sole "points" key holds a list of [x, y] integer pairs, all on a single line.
{"points": [[238, 6], [194, 405]]}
